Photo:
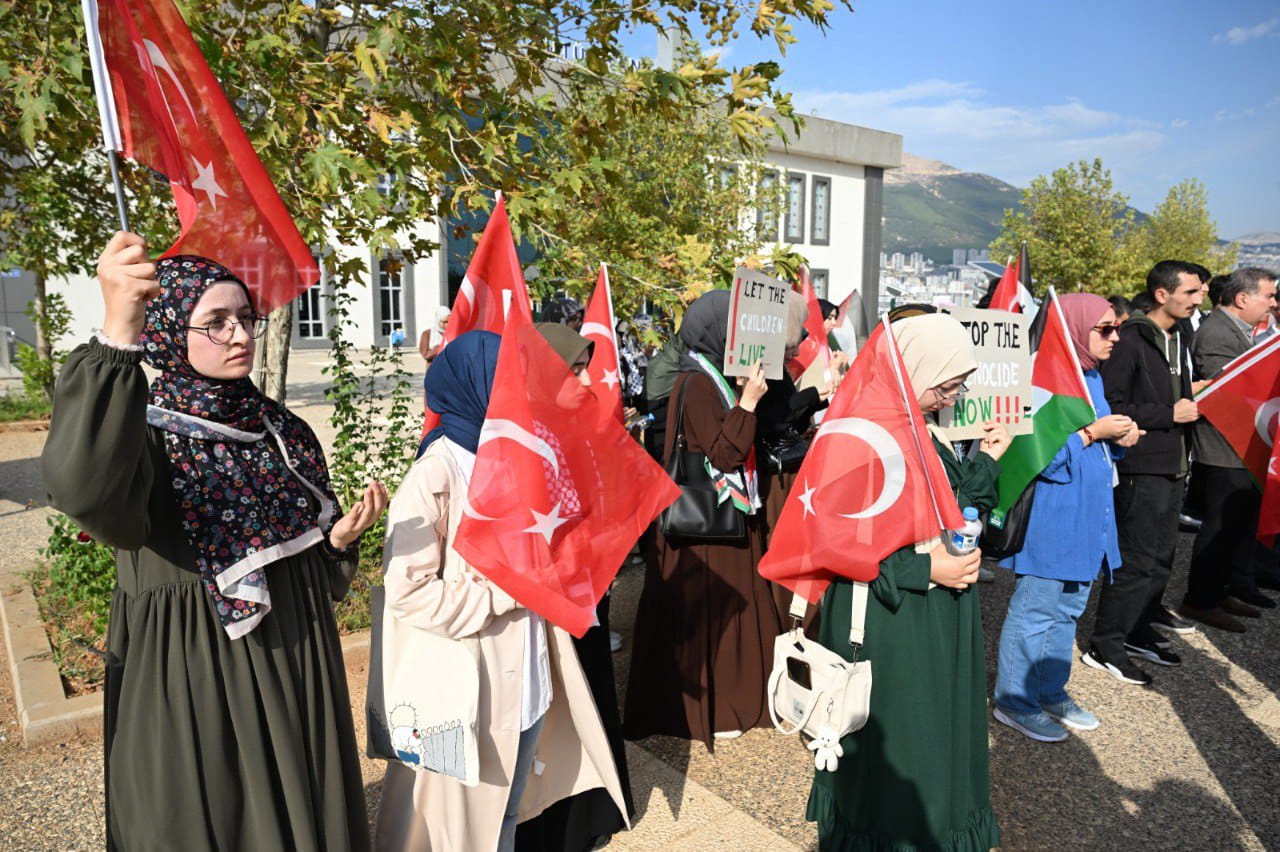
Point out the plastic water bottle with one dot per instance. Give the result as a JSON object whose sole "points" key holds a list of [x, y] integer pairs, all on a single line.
{"points": [[965, 539]]}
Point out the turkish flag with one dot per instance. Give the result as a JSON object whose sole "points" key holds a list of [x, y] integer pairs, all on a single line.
{"points": [[560, 491], [167, 112], [1242, 404], [1269, 514], [493, 284], [1006, 296], [598, 326], [872, 482], [814, 347]]}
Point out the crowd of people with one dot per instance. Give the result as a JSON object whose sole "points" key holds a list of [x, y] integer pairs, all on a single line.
{"points": [[232, 548]]}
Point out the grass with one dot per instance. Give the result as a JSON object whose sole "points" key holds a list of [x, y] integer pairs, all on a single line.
{"points": [[77, 634], [22, 407]]}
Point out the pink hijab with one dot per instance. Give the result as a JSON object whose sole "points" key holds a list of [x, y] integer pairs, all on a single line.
{"points": [[1083, 310]]}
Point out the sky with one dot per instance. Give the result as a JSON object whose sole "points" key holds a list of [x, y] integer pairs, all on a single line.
{"points": [[1161, 91]]}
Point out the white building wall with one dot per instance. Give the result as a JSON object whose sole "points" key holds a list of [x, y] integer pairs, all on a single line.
{"points": [[842, 256]]}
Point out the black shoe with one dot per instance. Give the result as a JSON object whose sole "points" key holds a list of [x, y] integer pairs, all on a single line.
{"points": [[1254, 598], [1172, 623], [1145, 635], [1123, 670], [1153, 653], [1266, 582]]}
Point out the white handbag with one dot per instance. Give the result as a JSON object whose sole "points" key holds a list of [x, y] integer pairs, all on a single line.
{"points": [[818, 692]]}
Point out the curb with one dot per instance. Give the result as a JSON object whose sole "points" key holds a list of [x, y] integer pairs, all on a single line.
{"points": [[45, 713]]}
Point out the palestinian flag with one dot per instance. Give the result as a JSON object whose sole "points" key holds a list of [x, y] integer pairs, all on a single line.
{"points": [[1060, 405]]}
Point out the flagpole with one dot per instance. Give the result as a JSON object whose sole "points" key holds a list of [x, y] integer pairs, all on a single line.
{"points": [[113, 158], [106, 105]]}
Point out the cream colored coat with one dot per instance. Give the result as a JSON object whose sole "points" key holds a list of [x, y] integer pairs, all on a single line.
{"points": [[429, 586]]}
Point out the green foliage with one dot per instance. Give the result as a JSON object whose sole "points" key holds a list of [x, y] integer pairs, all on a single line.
{"points": [[52, 318], [1181, 229], [73, 588], [666, 204], [81, 569], [1077, 228], [22, 407]]}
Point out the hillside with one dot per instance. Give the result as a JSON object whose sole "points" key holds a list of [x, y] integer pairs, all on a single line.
{"points": [[933, 208]]}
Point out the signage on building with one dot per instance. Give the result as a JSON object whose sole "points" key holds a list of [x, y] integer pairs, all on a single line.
{"points": [[1000, 389], [757, 324]]}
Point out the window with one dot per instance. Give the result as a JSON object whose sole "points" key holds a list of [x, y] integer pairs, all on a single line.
{"points": [[386, 181], [766, 211], [390, 296], [818, 278], [727, 176], [820, 229], [311, 314], [793, 220]]}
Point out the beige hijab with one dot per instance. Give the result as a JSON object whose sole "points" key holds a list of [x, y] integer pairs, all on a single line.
{"points": [[797, 313], [935, 349]]}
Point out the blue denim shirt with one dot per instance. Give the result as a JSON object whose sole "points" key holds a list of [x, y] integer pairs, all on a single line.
{"points": [[1072, 530]]}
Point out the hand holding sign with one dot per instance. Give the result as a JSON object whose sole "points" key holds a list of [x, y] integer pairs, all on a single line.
{"points": [[757, 324]]}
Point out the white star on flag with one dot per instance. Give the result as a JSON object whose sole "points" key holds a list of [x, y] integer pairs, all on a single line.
{"points": [[207, 183], [610, 378], [806, 499], [546, 525]]}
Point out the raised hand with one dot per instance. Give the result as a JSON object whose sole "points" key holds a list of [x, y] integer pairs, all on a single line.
{"points": [[128, 281], [362, 515]]}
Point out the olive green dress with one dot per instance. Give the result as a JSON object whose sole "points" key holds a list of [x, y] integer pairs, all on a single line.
{"points": [[211, 743], [916, 776]]}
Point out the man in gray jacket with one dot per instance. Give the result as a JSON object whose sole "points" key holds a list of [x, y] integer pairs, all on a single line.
{"points": [[1221, 582]]}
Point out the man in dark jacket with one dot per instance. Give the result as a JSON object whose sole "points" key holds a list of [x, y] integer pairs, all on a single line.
{"points": [[1146, 378], [1223, 556]]}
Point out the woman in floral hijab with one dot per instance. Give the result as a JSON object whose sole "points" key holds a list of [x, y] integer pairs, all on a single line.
{"points": [[228, 722]]}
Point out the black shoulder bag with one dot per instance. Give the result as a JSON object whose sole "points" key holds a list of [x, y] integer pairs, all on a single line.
{"points": [[697, 515], [1009, 537]]}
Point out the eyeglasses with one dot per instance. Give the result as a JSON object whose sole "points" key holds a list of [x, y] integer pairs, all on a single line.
{"points": [[220, 330], [1107, 329], [959, 390]]}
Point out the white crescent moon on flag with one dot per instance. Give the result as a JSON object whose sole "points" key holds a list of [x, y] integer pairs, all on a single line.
{"points": [[496, 429], [885, 446], [591, 328], [1262, 420], [158, 60]]}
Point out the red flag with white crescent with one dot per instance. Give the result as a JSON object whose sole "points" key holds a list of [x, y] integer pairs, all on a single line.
{"points": [[161, 106], [494, 283], [814, 347], [599, 326], [871, 483], [1269, 514], [1243, 403], [560, 490]]}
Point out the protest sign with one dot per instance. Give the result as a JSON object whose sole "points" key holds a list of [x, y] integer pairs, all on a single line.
{"points": [[757, 324], [1000, 389]]}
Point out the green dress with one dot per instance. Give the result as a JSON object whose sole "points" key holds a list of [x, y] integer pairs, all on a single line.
{"points": [[916, 776], [210, 743]]}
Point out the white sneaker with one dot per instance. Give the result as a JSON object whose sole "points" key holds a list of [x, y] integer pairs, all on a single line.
{"points": [[728, 735]]}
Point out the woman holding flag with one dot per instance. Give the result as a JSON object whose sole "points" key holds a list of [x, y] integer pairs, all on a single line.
{"points": [[228, 722], [916, 776], [540, 738], [1073, 503]]}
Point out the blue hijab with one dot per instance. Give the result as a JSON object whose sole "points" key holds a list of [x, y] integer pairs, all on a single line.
{"points": [[458, 387]]}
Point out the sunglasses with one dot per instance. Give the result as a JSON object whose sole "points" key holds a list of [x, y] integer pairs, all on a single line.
{"points": [[1107, 329]]}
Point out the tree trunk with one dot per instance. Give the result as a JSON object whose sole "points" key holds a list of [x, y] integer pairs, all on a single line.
{"points": [[44, 346], [275, 360]]}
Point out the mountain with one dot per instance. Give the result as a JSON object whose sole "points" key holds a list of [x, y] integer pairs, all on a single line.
{"points": [[933, 208], [1261, 238]]}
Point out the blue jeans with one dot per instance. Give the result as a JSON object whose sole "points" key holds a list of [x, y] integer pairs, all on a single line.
{"points": [[1037, 643], [519, 777]]}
